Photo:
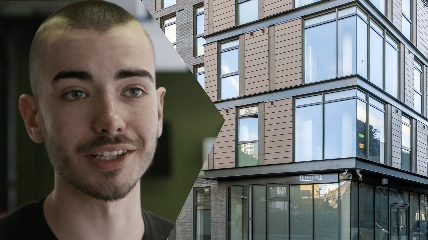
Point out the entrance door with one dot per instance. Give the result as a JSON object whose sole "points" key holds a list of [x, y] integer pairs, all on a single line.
{"points": [[399, 228]]}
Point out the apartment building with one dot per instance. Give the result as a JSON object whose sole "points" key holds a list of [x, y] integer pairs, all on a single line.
{"points": [[325, 107]]}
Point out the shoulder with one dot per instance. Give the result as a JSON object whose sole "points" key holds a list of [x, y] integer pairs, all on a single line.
{"points": [[23, 222], [156, 228]]}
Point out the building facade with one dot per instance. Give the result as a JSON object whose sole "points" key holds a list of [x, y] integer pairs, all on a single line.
{"points": [[325, 108]]}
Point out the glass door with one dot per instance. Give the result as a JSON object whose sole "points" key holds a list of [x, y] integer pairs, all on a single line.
{"points": [[399, 226]]}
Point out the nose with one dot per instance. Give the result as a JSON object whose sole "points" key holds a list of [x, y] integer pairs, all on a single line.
{"points": [[107, 116]]}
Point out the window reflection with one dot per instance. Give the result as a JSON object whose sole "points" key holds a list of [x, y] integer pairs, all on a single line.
{"points": [[405, 143], [299, 3], [203, 214], [301, 212], [380, 5], [229, 65], [238, 213], [247, 11], [326, 219], [248, 131]]}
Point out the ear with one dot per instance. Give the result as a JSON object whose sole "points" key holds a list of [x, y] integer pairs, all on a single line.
{"points": [[160, 92], [29, 108]]}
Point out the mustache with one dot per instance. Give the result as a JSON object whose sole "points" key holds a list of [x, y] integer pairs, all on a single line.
{"points": [[105, 140]]}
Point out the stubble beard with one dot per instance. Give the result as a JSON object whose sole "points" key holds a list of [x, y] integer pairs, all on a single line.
{"points": [[112, 185]]}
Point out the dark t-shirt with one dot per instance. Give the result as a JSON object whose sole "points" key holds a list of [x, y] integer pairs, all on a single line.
{"points": [[28, 222]]}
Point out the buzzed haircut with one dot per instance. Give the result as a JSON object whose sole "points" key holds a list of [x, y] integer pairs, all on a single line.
{"points": [[81, 15]]}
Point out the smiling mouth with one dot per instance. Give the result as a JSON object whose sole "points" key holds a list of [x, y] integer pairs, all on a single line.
{"points": [[108, 155]]}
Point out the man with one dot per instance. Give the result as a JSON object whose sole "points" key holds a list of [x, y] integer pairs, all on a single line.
{"points": [[96, 107]]}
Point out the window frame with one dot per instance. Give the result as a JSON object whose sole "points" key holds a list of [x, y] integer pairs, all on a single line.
{"points": [[198, 73], [402, 147], [195, 206], [163, 4], [197, 36], [417, 66], [231, 74], [164, 25], [237, 141], [237, 15], [407, 18]]}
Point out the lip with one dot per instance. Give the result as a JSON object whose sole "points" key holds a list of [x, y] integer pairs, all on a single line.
{"points": [[110, 164], [112, 148]]}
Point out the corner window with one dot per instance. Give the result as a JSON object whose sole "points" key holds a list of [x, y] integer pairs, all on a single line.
{"points": [[417, 87], [247, 143], [167, 3], [334, 125], [200, 76], [248, 11], [299, 3], [170, 29], [199, 32], [229, 70], [406, 143], [380, 5], [406, 18], [202, 211]]}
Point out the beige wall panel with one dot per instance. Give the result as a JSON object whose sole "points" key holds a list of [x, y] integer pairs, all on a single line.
{"points": [[158, 5], [224, 146], [396, 137], [256, 62], [408, 78], [396, 13], [421, 146], [288, 55], [276, 6], [422, 28], [210, 64], [278, 131], [223, 14]]}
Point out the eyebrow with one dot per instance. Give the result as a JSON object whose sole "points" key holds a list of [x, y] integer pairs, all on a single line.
{"points": [[86, 76]]}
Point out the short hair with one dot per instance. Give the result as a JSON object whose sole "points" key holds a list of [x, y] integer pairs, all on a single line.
{"points": [[81, 15]]}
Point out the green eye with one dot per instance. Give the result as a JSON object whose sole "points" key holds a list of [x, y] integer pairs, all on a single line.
{"points": [[134, 92], [74, 95]]}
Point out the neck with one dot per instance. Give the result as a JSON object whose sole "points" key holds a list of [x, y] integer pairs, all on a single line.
{"points": [[72, 214]]}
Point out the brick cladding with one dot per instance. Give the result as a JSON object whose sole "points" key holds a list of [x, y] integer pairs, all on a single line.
{"points": [[422, 28], [184, 12], [408, 78]]}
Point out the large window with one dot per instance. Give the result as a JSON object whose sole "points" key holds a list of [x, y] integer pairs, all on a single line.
{"points": [[341, 130], [199, 31], [248, 153], [299, 3], [277, 212], [167, 3], [345, 33], [248, 11], [406, 143], [417, 87], [202, 210], [238, 213], [200, 75], [229, 70], [170, 29], [380, 5], [406, 18]]}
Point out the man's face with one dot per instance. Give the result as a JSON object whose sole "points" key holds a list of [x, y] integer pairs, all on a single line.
{"points": [[99, 109]]}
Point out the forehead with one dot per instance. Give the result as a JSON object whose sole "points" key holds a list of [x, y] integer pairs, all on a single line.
{"points": [[126, 46]]}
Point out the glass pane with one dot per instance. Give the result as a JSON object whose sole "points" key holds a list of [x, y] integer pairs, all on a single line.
{"points": [[229, 61], [376, 135], [248, 129], [405, 159], [248, 11], [229, 44], [248, 154], [275, 192], [347, 46], [170, 32], [340, 95], [309, 100], [346, 11], [414, 212], [229, 87], [345, 210], [300, 3], [238, 213], [376, 26], [200, 24], [361, 129], [259, 213], [320, 19], [380, 5], [308, 133], [301, 211], [326, 211], [405, 133], [377, 104], [203, 214], [405, 27], [169, 20], [340, 129], [201, 80], [277, 220], [200, 41], [376, 59], [320, 42], [417, 78], [391, 70], [361, 95], [167, 3], [366, 210], [362, 48], [361, 13], [417, 102], [381, 213], [405, 6], [248, 110]]}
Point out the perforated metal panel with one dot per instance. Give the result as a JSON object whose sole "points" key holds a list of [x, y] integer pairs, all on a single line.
{"points": [[224, 146], [276, 6], [396, 137], [257, 62], [210, 63], [421, 146], [408, 78]]}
